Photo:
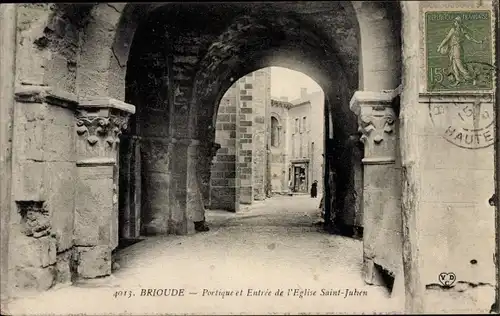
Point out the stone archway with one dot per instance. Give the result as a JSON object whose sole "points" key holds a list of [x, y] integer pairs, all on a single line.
{"points": [[113, 65], [370, 18], [376, 104], [190, 86], [219, 63]]}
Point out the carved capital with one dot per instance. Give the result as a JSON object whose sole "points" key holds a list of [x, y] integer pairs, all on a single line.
{"points": [[99, 129], [376, 122], [375, 113], [99, 124]]}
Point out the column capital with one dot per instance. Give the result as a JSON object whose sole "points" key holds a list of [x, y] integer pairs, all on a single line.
{"points": [[376, 120], [100, 122], [362, 99]]}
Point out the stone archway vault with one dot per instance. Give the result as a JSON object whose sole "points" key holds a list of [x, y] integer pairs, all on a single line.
{"points": [[98, 87]]}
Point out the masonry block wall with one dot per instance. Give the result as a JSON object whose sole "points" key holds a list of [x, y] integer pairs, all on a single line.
{"points": [[64, 219], [259, 90], [43, 217], [224, 179], [453, 135], [245, 142], [240, 169]]}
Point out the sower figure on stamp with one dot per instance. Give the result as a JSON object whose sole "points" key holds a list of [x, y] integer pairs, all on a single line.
{"points": [[452, 45]]}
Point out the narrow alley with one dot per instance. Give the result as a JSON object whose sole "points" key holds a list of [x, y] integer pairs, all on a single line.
{"points": [[269, 246]]}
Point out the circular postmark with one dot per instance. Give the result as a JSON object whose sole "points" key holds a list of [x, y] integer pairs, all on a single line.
{"points": [[467, 122]]}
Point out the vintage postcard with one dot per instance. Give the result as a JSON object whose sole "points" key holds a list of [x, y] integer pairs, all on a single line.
{"points": [[249, 158]]}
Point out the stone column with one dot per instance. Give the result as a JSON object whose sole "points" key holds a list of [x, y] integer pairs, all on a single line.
{"points": [[99, 124], [357, 156], [208, 151], [382, 238], [130, 187], [183, 172], [224, 190], [41, 220], [8, 21], [195, 206], [256, 89], [245, 138], [157, 195]]}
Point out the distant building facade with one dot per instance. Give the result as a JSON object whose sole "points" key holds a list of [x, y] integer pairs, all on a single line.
{"points": [[265, 144], [306, 138]]}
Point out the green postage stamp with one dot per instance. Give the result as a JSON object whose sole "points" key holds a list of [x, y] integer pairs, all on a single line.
{"points": [[459, 51]]}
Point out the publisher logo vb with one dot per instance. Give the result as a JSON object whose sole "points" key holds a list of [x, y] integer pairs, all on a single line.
{"points": [[447, 278]]}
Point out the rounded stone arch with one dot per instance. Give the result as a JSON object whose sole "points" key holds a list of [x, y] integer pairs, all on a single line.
{"points": [[271, 58], [107, 39], [276, 116], [379, 45], [221, 61]]}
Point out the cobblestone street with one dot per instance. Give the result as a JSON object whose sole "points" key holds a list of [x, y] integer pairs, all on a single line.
{"points": [[271, 245]]}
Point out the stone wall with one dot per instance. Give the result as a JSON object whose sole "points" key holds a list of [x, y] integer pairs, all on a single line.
{"points": [[44, 169], [246, 154], [457, 180], [241, 165], [64, 221], [49, 44], [382, 222], [446, 190], [224, 171], [261, 124]]}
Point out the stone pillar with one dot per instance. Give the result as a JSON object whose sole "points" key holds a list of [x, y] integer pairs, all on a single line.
{"points": [[156, 193], [99, 124], [410, 124], [256, 89], [195, 206], [183, 172], [224, 193], [357, 156], [130, 187], [42, 218], [8, 24], [208, 151], [382, 237], [245, 141]]}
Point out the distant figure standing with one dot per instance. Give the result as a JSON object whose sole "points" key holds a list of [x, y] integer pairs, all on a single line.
{"points": [[314, 189], [290, 186]]}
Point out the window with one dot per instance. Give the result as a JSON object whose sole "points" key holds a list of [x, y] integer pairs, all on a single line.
{"points": [[275, 137], [304, 125], [296, 125]]}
